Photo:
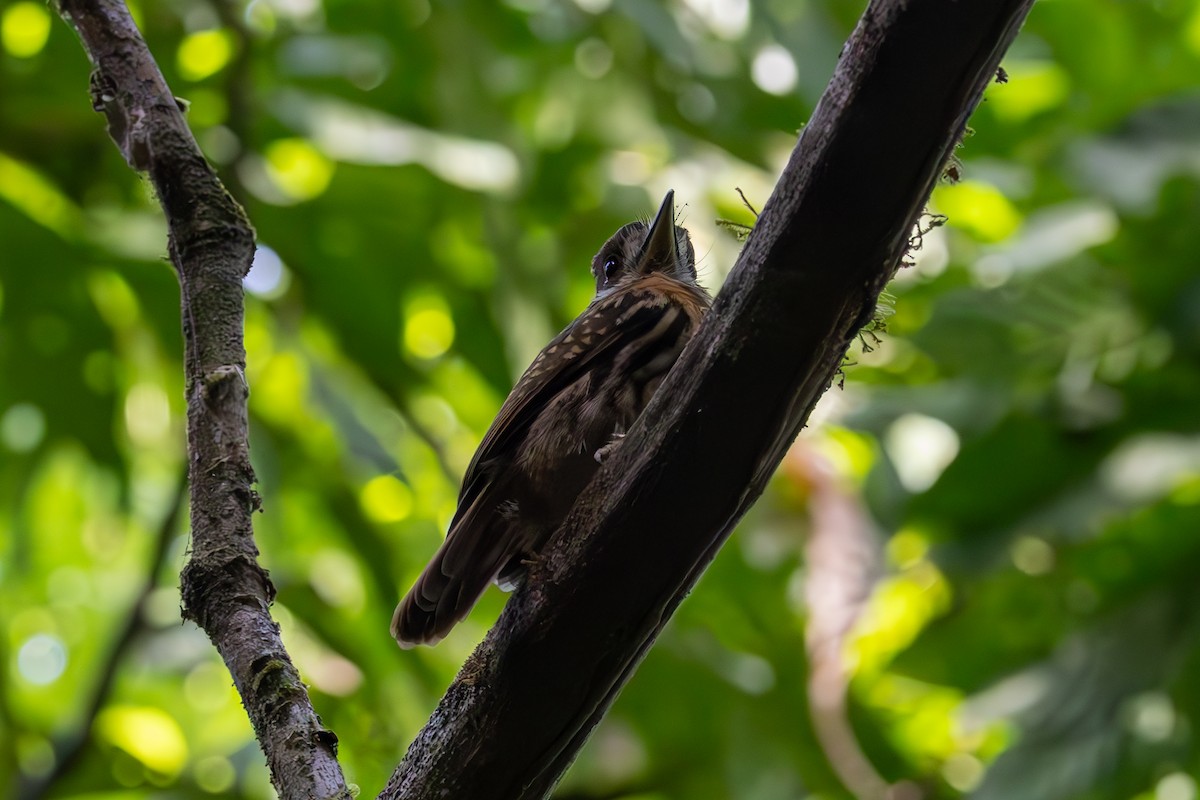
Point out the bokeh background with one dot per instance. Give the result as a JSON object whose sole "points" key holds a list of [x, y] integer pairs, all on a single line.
{"points": [[978, 564]]}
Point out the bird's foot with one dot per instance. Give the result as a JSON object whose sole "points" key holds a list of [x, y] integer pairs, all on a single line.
{"points": [[603, 452]]}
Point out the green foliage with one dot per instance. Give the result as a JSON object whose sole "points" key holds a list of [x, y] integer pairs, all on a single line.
{"points": [[428, 183]]}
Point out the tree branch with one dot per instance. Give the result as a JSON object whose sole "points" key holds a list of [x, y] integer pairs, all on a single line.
{"points": [[828, 240], [211, 245]]}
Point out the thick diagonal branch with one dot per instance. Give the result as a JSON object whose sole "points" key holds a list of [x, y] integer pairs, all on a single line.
{"points": [[827, 242], [211, 245]]}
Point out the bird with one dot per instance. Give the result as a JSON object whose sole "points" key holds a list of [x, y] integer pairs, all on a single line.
{"points": [[568, 411]]}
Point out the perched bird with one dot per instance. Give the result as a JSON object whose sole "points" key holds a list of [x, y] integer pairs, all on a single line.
{"points": [[572, 405]]}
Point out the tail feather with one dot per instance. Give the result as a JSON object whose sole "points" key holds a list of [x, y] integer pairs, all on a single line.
{"points": [[458, 574], [433, 606]]}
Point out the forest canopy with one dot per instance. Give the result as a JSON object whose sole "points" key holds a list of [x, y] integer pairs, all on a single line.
{"points": [[983, 548]]}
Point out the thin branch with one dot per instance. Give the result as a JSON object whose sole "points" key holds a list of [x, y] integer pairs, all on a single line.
{"points": [[828, 240], [211, 244], [70, 747]]}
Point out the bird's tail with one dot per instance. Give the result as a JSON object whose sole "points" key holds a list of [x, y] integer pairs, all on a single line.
{"points": [[457, 575]]}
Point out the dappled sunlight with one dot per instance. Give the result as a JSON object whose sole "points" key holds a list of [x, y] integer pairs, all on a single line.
{"points": [[337, 579], [907, 548], [727, 19], [41, 659], [979, 208], [901, 606], [849, 452], [923, 714], [386, 499], [428, 326], [147, 414], [114, 300], [920, 447], [1149, 467], [297, 168], [268, 277], [360, 135], [774, 70], [24, 29], [1032, 555], [204, 53], [280, 392], [38, 198], [148, 734], [22, 427], [1033, 87], [1049, 237], [1174, 786]]}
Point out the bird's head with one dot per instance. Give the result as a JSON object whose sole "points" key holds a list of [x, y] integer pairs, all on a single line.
{"points": [[639, 249]]}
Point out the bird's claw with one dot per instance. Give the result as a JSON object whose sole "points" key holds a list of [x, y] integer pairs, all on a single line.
{"points": [[603, 452]]}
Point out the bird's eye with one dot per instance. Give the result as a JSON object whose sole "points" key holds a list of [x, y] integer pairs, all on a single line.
{"points": [[610, 267]]}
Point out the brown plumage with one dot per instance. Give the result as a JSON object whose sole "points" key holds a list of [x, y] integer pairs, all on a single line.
{"points": [[571, 406]]}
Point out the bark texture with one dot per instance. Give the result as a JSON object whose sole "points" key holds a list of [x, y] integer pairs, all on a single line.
{"points": [[211, 244], [827, 242]]}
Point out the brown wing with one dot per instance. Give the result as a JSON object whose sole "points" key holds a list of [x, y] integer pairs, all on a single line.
{"points": [[604, 326]]}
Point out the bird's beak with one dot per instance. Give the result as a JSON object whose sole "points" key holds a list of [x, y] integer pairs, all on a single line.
{"points": [[660, 251]]}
